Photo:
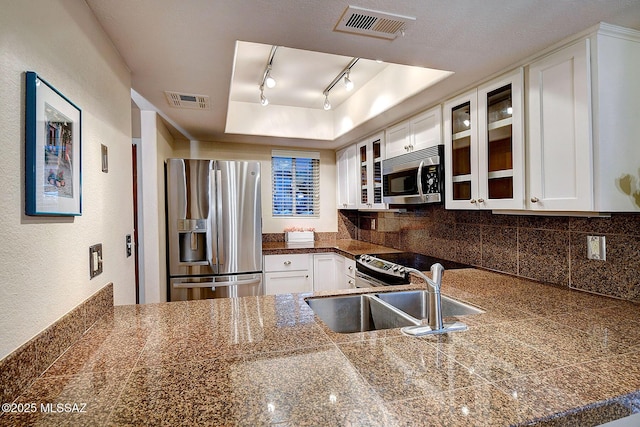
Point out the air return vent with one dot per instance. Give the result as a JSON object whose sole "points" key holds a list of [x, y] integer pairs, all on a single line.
{"points": [[187, 100], [356, 20]]}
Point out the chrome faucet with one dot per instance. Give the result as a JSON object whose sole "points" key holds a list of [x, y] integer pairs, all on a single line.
{"points": [[434, 304]]}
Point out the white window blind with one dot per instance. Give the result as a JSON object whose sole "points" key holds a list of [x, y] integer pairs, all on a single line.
{"points": [[296, 183]]}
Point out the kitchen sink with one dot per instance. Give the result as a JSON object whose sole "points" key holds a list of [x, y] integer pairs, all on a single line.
{"points": [[359, 313], [415, 303], [368, 312]]}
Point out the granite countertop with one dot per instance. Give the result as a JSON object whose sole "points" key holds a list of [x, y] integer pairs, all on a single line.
{"points": [[538, 352], [346, 247]]}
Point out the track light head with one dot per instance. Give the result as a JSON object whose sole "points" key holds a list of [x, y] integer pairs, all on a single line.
{"points": [[269, 80], [348, 84], [327, 104], [263, 99]]}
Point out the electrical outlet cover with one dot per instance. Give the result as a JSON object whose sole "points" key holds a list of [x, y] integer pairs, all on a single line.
{"points": [[596, 248]]}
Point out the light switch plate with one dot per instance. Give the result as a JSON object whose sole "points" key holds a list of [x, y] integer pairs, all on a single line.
{"points": [[95, 260], [596, 248]]}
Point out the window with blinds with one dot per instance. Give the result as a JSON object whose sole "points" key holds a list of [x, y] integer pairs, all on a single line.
{"points": [[296, 183]]}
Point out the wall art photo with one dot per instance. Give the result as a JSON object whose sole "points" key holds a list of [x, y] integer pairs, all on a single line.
{"points": [[53, 151]]}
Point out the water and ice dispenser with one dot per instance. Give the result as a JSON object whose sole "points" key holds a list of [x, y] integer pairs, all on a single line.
{"points": [[192, 238]]}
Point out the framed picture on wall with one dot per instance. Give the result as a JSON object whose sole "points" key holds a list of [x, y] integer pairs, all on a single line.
{"points": [[53, 171]]}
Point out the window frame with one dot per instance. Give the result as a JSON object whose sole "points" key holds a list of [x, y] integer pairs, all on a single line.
{"points": [[303, 180]]}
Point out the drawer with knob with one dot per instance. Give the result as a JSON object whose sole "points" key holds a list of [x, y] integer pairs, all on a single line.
{"points": [[289, 262]]}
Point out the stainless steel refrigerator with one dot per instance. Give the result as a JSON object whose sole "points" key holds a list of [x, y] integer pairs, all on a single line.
{"points": [[214, 229]]}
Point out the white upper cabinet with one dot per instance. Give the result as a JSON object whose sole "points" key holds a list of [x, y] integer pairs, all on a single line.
{"points": [[461, 151], [370, 156], [559, 156], [584, 125], [483, 134], [421, 131], [347, 171]]}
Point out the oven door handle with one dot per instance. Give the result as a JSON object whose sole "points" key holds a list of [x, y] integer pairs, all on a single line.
{"points": [[420, 190]]}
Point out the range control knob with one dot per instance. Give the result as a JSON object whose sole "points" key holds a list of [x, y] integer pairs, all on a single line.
{"points": [[395, 267], [401, 270]]}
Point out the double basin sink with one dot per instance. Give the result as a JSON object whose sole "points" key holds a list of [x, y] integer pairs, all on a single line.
{"points": [[368, 312]]}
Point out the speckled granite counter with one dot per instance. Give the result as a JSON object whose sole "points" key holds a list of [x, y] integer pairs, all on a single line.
{"points": [[346, 247], [537, 352]]}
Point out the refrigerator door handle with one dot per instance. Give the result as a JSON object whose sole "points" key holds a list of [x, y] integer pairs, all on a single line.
{"points": [[219, 222], [216, 284]]}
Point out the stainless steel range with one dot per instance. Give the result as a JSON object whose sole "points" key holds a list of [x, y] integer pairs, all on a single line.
{"points": [[390, 269]]}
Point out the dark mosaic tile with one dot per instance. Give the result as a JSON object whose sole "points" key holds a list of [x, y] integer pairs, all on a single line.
{"points": [[442, 241], [441, 215], [52, 342], [544, 255], [501, 220], [17, 371], [618, 276], [607, 324], [392, 239], [273, 237], [290, 388], [627, 224], [415, 240], [594, 415], [468, 243], [500, 249], [560, 223], [621, 370], [471, 217], [493, 356], [559, 390], [563, 342], [88, 398], [377, 237], [405, 367], [482, 405], [98, 305], [100, 350]]}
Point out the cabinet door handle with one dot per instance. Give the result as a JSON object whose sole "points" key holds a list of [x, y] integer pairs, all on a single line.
{"points": [[350, 268], [473, 201], [534, 200], [287, 263], [480, 200]]}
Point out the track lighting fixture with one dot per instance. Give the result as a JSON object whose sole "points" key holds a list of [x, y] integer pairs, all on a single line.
{"points": [[347, 82], [263, 99], [267, 78], [327, 104], [270, 81]]}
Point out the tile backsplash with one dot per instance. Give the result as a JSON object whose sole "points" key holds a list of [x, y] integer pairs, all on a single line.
{"points": [[544, 248]]}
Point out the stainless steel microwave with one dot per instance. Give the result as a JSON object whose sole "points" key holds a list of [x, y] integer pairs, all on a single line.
{"points": [[414, 178]]}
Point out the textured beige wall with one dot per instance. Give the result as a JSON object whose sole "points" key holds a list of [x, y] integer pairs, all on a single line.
{"points": [[44, 261]]}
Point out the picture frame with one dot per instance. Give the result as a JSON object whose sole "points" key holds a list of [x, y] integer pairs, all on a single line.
{"points": [[53, 151]]}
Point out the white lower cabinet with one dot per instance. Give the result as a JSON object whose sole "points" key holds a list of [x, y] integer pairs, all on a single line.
{"points": [[332, 271], [325, 269], [348, 273], [296, 273], [285, 274]]}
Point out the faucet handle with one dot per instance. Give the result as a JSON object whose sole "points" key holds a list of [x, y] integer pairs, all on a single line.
{"points": [[437, 270]]}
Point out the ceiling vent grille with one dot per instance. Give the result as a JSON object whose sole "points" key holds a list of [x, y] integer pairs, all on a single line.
{"points": [[356, 20], [188, 100]]}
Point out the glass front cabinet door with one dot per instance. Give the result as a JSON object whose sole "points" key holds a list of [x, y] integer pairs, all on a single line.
{"points": [[370, 156], [484, 146]]}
